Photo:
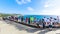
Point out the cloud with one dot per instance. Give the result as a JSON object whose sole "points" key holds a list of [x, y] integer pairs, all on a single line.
{"points": [[51, 7], [46, 5], [51, 12], [30, 9], [23, 1], [52, 3]]}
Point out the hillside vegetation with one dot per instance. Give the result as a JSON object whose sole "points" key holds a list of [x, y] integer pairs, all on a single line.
{"points": [[5, 15]]}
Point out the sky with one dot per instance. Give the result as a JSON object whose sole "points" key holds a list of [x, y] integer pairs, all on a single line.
{"points": [[30, 7]]}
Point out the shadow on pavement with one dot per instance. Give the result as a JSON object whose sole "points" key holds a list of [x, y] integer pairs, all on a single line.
{"points": [[46, 30], [57, 33], [23, 27], [29, 29]]}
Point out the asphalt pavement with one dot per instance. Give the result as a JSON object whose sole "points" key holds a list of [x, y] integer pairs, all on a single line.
{"points": [[10, 27]]}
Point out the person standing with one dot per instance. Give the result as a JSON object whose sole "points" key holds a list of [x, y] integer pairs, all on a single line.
{"points": [[22, 19], [29, 20], [19, 19], [26, 20], [51, 23], [57, 19], [48, 21], [35, 20], [45, 21]]}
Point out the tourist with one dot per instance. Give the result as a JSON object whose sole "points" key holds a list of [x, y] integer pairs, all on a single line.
{"points": [[16, 18], [39, 21], [48, 21], [26, 20], [57, 19], [45, 20], [22, 18], [35, 20], [43, 23], [19, 19], [51, 23], [29, 20]]}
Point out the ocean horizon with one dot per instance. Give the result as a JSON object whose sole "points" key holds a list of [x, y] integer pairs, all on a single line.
{"points": [[41, 16]]}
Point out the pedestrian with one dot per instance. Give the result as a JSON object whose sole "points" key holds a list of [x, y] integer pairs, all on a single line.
{"points": [[16, 18], [22, 18], [43, 23], [29, 20], [51, 23], [26, 20], [48, 21], [57, 19], [19, 18], [35, 20]]}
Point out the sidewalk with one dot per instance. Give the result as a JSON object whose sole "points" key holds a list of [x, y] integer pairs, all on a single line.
{"points": [[9, 29], [14, 28]]}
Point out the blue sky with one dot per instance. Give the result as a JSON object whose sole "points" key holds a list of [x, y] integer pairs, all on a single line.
{"points": [[30, 7]]}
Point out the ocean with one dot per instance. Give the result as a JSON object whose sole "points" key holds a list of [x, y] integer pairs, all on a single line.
{"points": [[40, 16]]}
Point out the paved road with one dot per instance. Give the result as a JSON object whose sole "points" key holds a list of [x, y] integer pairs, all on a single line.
{"points": [[9, 27]]}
